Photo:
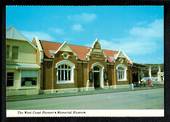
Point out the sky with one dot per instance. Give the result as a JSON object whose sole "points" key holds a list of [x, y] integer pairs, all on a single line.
{"points": [[136, 30]]}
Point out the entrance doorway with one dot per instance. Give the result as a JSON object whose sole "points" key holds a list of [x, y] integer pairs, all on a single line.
{"points": [[135, 77], [96, 76]]}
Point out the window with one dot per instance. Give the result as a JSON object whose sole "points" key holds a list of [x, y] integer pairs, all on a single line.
{"points": [[14, 52], [65, 72], [7, 51], [10, 78], [29, 78], [121, 73]]}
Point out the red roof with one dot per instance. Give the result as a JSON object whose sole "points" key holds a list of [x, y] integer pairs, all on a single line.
{"points": [[81, 51], [47, 46], [110, 52]]}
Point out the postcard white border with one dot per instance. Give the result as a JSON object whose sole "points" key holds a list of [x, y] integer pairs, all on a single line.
{"points": [[86, 113]]}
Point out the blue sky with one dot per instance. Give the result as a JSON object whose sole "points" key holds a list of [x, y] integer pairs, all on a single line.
{"points": [[137, 30]]}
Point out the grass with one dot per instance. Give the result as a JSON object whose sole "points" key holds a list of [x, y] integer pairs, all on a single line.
{"points": [[98, 91]]}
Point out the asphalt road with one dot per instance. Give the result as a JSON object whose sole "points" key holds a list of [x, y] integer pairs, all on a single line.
{"points": [[143, 99]]}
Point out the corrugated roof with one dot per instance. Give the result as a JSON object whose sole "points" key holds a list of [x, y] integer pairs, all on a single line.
{"points": [[81, 51], [13, 33]]}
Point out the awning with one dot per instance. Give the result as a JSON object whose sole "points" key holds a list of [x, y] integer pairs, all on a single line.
{"points": [[22, 66]]}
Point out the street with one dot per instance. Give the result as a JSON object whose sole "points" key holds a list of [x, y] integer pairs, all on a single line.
{"points": [[143, 99]]}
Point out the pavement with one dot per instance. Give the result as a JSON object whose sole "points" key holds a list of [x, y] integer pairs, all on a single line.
{"points": [[139, 99], [68, 94]]}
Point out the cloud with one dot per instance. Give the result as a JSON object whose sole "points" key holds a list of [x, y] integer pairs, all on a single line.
{"points": [[140, 41], [77, 27], [58, 31], [83, 17], [141, 23], [152, 30], [41, 35], [130, 46], [138, 38]]}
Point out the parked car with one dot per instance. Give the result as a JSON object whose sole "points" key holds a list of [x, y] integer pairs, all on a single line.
{"points": [[149, 81], [146, 81]]}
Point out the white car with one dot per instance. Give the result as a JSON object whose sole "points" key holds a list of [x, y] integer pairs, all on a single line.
{"points": [[154, 80]]}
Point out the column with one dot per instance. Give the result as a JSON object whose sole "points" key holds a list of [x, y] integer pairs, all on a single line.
{"points": [[101, 77], [158, 73], [114, 71], [52, 79], [17, 79], [150, 72], [87, 74], [130, 75]]}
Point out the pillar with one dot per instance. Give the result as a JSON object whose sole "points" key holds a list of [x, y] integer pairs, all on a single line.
{"points": [[114, 79], [150, 71], [87, 75], [52, 80], [101, 78], [87, 85], [158, 73]]}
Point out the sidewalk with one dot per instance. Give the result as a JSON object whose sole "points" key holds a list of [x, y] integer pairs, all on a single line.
{"points": [[99, 91]]}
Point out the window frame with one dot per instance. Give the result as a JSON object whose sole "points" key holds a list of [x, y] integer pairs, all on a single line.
{"points": [[7, 79], [13, 53], [121, 72], [71, 77], [8, 51], [32, 86]]}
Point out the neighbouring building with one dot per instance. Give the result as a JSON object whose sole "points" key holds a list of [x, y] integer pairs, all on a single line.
{"points": [[22, 65], [68, 67], [155, 70], [138, 72]]}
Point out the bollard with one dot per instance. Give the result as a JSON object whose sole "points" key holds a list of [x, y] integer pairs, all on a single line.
{"points": [[131, 86]]}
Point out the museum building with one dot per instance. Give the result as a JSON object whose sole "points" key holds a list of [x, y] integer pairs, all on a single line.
{"points": [[68, 67]]}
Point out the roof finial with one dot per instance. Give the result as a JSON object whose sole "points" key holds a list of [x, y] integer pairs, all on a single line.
{"points": [[96, 39]]}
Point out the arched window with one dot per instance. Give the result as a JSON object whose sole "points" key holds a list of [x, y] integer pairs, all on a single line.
{"points": [[121, 72], [65, 72]]}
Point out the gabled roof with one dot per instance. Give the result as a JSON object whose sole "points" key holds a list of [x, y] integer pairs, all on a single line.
{"points": [[122, 54], [110, 53], [12, 33], [65, 47], [81, 51], [49, 46]]}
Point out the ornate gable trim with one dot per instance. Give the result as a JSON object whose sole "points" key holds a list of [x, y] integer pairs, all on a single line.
{"points": [[65, 47], [122, 54]]}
